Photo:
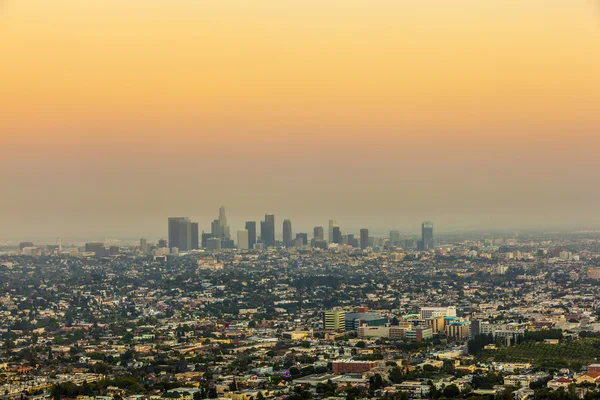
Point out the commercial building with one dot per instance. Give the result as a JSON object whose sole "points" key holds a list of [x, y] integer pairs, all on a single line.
{"points": [[419, 333], [334, 320], [318, 233], [251, 228], [267, 230], [364, 238], [213, 244], [427, 312], [180, 233], [288, 241], [458, 330], [353, 367]]}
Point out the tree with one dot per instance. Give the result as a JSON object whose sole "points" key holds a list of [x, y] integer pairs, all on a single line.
{"points": [[396, 375], [451, 391]]}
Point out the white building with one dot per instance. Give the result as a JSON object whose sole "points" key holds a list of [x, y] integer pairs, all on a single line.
{"points": [[428, 312]]}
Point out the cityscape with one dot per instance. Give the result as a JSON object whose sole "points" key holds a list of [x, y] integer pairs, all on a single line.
{"points": [[256, 315], [299, 200]]}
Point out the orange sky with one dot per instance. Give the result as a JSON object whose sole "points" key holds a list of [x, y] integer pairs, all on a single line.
{"points": [[473, 113]]}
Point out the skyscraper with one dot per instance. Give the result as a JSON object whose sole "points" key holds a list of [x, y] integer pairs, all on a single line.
{"points": [[427, 241], [251, 228], [288, 241], [215, 229], [332, 224], [180, 233], [318, 233], [204, 239], [301, 239], [337, 235], [195, 238], [224, 228], [394, 238], [143, 246], [242, 237], [364, 238], [267, 230]]}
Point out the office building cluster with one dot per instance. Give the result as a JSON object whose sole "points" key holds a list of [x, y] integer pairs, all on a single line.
{"points": [[184, 236]]}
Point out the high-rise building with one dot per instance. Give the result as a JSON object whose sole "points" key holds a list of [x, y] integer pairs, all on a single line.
{"points": [[334, 320], [288, 241], [337, 235], [215, 229], [162, 244], [143, 246], [318, 233], [364, 238], [213, 244], [97, 248], [251, 228], [242, 237], [223, 227], [395, 238], [23, 245], [426, 241], [195, 238], [180, 233], [205, 237], [332, 224], [301, 239], [267, 230]]}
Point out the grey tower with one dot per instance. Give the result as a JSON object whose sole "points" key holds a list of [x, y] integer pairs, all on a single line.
{"points": [[251, 228], [180, 233], [267, 230], [364, 238], [318, 233], [427, 235], [288, 241]]}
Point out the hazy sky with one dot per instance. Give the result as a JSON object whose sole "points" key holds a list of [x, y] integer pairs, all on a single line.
{"points": [[117, 114]]}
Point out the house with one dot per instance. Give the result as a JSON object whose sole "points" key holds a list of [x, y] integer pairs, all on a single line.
{"points": [[588, 377], [560, 382]]}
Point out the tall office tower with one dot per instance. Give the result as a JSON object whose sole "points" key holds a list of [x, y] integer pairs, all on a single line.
{"points": [[427, 235], [337, 235], [251, 228], [180, 233], [332, 224], [195, 238], [364, 238], [318, 233], [288, 241], [395, 238], [143, 246], [162, 244], [222, 217], [205, 237], [267, 230], [215, 229], [301, 239], [242, 237], [223, 227]]}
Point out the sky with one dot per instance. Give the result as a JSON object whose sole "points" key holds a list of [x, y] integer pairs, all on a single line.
{"points": [[474, 114]]}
